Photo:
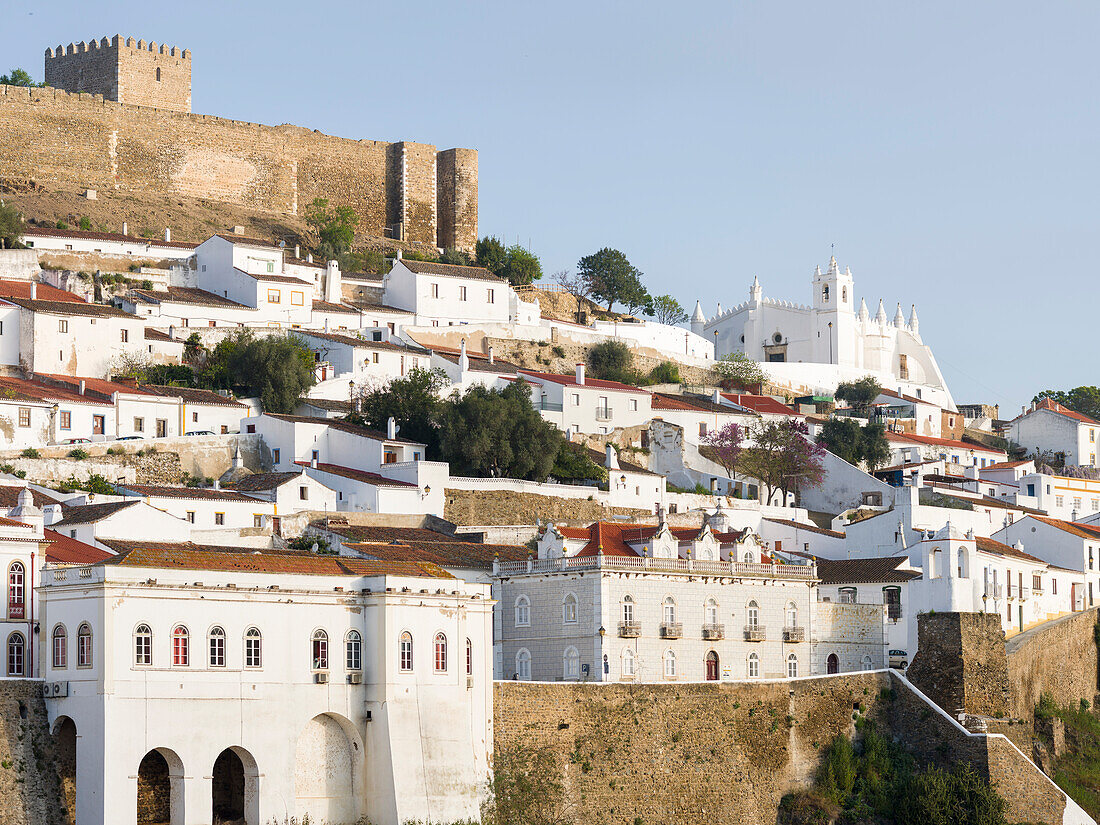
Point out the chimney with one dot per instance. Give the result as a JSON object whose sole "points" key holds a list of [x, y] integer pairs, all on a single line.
{"points": [[82, 386], [391, 427], [217, 484], [34, 290], [660, 515], [51, 513], [125, 228], [313, 461], [580, 374], [399, 254], [238, 230], [611, 459], [463, 358], [717, 397], [309, 257], [297, 251], [491, 355], [326, 324], [171, 331], [167, 234]]}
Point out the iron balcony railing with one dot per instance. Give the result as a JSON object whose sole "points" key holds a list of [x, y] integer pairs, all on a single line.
{"points": [[993, 591], [604, 413], [714, 632], [569, 564], [755, 633], [630, 630], [672, 630], [794, 634]]}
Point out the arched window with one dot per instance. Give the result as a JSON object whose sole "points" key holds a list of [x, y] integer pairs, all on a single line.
{"points": [[964, 563], [353, 650], [60, 647], [319, 650], [84, 645], [844, 294], [16, 649], [628, 609], [670, 610], [792, 666], [17, 601], [867, 663], [143, 646], [253, 648], [670, 664], [216, 640], [158, 75], [832, 664], [934, 564], [571, 663], [825, 293], [523, 612], [405, 652], [469, 658], [753, 614], [711, 612], [181, 646], [569, 609], [440, 647], [629, 660], [754, 666], [792, 615], [523, 665]]}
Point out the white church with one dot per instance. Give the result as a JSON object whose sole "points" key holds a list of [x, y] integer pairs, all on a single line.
{"points": [[813, 348]]}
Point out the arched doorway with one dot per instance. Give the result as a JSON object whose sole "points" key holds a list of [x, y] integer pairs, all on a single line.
{"points": [[832, 664], [712, 666], [234, 788], [160, 788], [64, 734], [327, 770]]}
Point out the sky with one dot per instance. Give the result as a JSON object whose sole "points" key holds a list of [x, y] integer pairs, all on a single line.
{"points": [[945, 151]]}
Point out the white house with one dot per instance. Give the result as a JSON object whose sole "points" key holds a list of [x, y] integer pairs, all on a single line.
{"points": [[587, 405], [443, 295], [205, 508], [910, 447], [181, 307], [290, 492], [828, 341], [1071, 545], [362, 360], [363, 490], [698, 416], [465, 369], [130, 519], [1050, 427], [203, 411], [260, 687], [49, 239]]}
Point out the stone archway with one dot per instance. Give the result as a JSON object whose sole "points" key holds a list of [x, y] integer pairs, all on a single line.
{"points": [[64, 734], [328, 770], [234, 789], [160, 788]]}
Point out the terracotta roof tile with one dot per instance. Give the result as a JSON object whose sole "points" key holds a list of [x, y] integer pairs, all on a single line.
{"points": [[186, 295], [451, 270], [763, 404], [46, 232], [1076, 528], [87, 513], [192, 395], [343, 426], [1001, 549], [873, 570], [67, 550], [357, 475], [442, 553], [571, 381], [71, 308], [208, 493], [812, 528], [1053, 406], [42, 292]]}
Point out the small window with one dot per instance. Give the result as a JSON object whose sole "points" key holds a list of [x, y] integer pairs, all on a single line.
{"points": [[16, 651], [571, 663], [253, 648], [670, 610], [628, 609], [158, 75], [24, 416], [405, 651], [490, 297], [319, 650], [219, 518], [711, 612], [435, 290], [217, 647], [469, 658], [792, 666], [628, 662], [569, 609], [440, 647], [60, 647], [125, 335], [576, 399], [670, 664], [297, 299], [303, 493], [753, 614], [17, 603], [523, 665], [66, 420], [462, 293], [194, 418], [353, 650], [191, 516], [257, 520], [273, 296], [270, 267], [523, 612], [754, 666], [181, 646], [275, 454], [62, 325], [143, 646], [139, 425]]}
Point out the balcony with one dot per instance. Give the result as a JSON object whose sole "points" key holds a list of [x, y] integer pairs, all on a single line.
{"points": [[794, 634], [672, 630], [755, 633], [546, 406], [604, 413], [714, 632], [630, 630], [993, 591], [1037, 590], [1024, 592]]}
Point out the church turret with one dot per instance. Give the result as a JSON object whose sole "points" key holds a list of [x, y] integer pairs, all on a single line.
{"points": [[914, 323], [698, 319], [880, 316], [833, 335], [864, 315], [756, 292], [899, 319]]}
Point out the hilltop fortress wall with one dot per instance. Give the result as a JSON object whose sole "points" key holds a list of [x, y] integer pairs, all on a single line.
{"points": [[63, 141]]}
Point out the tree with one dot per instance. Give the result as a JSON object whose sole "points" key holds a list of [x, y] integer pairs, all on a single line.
{"points": [[726, 446], [612, 278], [782, 458], [335, 227], [453, 256], [11, 227], [497, 433], [277, 369], [860, 394], [491, 254], [667, 310], [611, 361], [18, 77], [1084, 400], [521, 266], [664, 373], [845, 438], [412, 400], [193, 347], [573, 464], [737, 371], [574, 285]]}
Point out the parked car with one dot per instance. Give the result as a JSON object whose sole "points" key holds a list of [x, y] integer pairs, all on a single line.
{"points": [[131, 438], [77, 441], [200, 432]]}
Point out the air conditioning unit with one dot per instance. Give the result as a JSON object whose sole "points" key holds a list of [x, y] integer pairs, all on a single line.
{"points": [[355, 678], [55, 690], [320, 678]]}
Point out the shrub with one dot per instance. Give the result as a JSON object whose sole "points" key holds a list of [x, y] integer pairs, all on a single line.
{"points": [[611, 361], [62, 225], [30, 452], [86, 224], [665, 373], [79, 454], [557, 351], [146, 284]]}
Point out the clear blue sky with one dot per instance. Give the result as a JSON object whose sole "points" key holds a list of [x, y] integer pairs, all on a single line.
{"points": [[948, 149]]}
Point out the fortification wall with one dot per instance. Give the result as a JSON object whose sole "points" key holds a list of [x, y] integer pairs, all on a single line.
{"points": [[32, 768], [719, 754], [1059, 658], [60, 141]]}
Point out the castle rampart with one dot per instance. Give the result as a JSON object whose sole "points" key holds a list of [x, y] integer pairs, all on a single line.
{"points": [[62, 141]]}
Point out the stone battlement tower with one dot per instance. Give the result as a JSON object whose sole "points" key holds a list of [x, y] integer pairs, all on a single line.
{"points": [[128, 71]]}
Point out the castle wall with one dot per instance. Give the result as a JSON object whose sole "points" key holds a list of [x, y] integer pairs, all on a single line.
{"points": [[62, 141], [33, 770], [1038, 659]]}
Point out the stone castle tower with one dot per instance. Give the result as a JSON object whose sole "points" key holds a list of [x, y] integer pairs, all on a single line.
{"points": [[128, 71]]}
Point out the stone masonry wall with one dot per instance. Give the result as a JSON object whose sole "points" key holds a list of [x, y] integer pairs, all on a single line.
{"points": [[721, 754], [961, 664], [65, 142], [1057, 657], [30, 786], [502, 507], [129, 71]]}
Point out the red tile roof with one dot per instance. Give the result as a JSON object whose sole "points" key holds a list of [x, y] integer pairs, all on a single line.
{"points": [[357, 475], [67, 550], [272, 278], [571, 381], [158, 491], [23, 389], [96, 385], [811, 528], [328, 306], [186, 295], [763, 404], [1006, 465], [443, 553], [71, 308], [47, 232], [940, 442], [1076, 528], [1001, 549], [452, 270], [1054, 407], [42, 292]]}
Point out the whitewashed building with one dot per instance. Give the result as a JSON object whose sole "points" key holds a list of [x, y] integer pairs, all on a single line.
{"points": [[443, 295], [205, 508], [587, 405], [1050, 426], [263, 687]]}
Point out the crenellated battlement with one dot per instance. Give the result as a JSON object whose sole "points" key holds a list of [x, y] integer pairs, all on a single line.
{"points": [[105, 43]]}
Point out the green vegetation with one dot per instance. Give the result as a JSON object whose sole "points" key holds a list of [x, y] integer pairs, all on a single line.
{"points": [[527, 789], [335, 227], [306, 542], [11, 227], [846, 438], [85, 224], [412, 400], [782, 457], [516, 264], [1077, 770], [79, 454], [573, 465], [95, 483], [19, 77], [875, 782], [737, 371], [860, 394], [29, 452], [667, 310], [1085, 400], [612, 361], [609, 276]]}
